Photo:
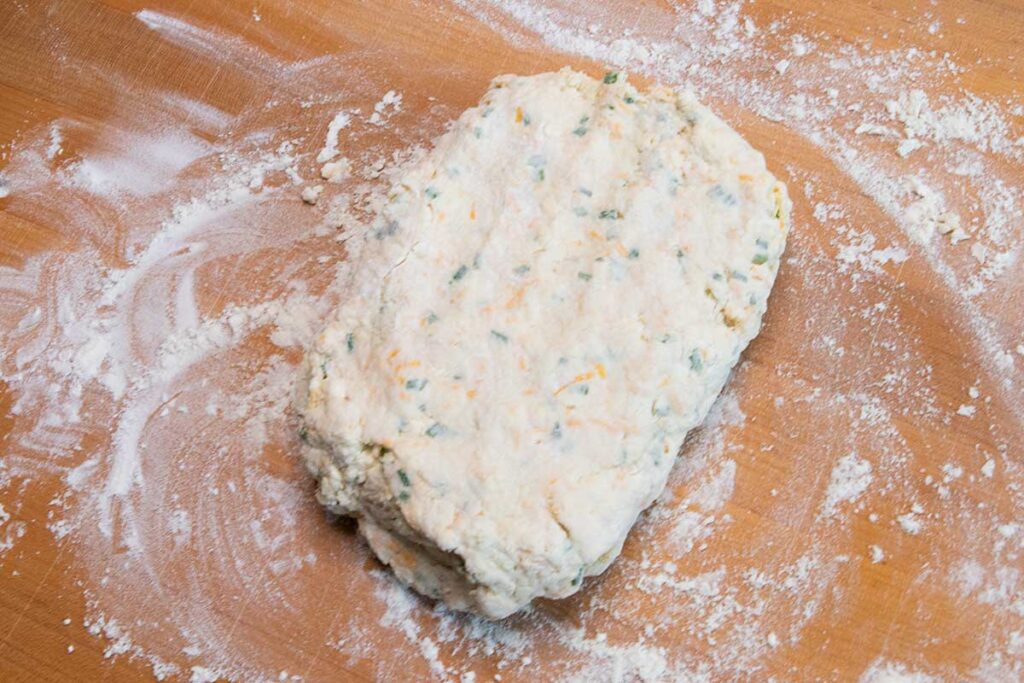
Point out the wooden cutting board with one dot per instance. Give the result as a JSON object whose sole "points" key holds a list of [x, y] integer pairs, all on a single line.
{"points": [[801, 401]]}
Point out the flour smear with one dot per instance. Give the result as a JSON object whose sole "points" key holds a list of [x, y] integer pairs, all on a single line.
{"points": [[149, 354]]}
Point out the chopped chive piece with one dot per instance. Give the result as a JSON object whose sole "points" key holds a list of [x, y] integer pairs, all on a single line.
{"points": [[611, 77], [737, 275], [587, 192], [350, 342], [431, 318], [721, 194], [499, 336], [478, 131], [762, 243], [579, 211], [404, 478], [526, 119], [759, 259], [556, 432], [778, 212], [610, 213], [403, 495], [696, 362], [634, 253], [304, 434], [679, 253], [436, 429], [582, 389], [579, 131], [716, 276], [522, 270], [629, 99], [431, 192], [584, 276], [415, 384], [540, 174], [579, 577], [460, 273], [323, 369]]}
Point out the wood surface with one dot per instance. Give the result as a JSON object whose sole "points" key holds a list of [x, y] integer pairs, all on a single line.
{"points": [[426, 50]]}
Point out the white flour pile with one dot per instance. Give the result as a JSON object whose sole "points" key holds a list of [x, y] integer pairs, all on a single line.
{"points": [[149, 357]]}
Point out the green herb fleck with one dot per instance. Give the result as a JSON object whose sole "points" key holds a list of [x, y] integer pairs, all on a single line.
{"points": [[304, 434], [431, 192], [404, 478], [582, 389], [499, 336], [436, 429], [460, 273], [778, 212], [611, 77], [716, 276], [540, 174], [584, 276], [323, 369], [526, 119], [587, 192], [610, 214], [762, 243], [579, 577], [522, 270], [556, 431], [760, 259], [629, 99], [431, 318], [721, 194], [415, 384], [478, 131], [679, 253], [696, 362], [581, 129], [579, 211], [737, 275], [403, 495], [634, 253], [350, 342]]}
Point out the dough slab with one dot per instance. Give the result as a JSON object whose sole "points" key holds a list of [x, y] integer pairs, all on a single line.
{"points": [[552, 297]]}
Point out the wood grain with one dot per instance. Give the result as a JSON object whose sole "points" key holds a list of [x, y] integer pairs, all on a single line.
{"points": [[92, 62]]}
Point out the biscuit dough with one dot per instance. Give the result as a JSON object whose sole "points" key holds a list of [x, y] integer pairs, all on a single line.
{"points": [[552, 297]]}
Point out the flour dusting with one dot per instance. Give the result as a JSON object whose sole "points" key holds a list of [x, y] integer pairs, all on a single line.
{"points": [[148, 357]]}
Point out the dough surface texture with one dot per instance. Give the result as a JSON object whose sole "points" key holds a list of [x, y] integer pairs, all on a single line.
{"points": [[551, 298]]}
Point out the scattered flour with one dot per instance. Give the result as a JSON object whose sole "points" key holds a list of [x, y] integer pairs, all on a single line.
{"points": [[850, 477], [340, 121], [208, 227], [893, 672]]}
